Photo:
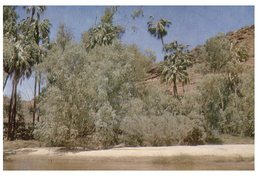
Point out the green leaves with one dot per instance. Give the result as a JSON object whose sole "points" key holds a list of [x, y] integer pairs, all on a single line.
{"points": [[104, 33], [9, 21], [226, 111], [20, 51], [222, 96], [222, 55], [30, 32], [86, 92], [176, 62], [158, 28], [39, 10]]}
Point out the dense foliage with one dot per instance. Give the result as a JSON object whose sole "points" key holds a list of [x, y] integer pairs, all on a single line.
{"points": [[97, 95], [226, 104], [93, 98], [90, 88], [175, 66], [22, 51]]}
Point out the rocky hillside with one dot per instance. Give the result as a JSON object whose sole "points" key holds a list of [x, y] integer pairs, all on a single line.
{"points": [[245, 36], [242, 37]]}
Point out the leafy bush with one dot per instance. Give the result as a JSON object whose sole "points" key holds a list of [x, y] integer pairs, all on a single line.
{"points": [[86, 91], [222, 95], [194, 137], [213, 99], [23, 131], [226, 111], [155, 121], [238, 117]]}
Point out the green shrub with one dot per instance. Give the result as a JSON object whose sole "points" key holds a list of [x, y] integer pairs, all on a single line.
{"points": [[194, 137], [227, 111], [83, 100], [156, 121]]}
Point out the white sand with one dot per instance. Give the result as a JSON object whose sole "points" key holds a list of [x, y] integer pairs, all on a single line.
{"points": [[202, 150]]}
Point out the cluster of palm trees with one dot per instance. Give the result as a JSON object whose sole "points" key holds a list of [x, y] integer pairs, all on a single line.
{"points": [[25, 44], [176, 56]]}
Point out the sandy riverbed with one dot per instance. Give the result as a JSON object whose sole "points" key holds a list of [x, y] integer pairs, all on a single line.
{"points": [[201, 150], [210, 157]]}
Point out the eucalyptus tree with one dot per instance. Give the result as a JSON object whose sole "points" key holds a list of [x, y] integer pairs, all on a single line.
{"points": [[40, 30], [222, 56], [176, 62], [158, 28], [104, 33], [223, 101]]}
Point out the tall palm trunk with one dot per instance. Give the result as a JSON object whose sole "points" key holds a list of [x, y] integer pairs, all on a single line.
{"points": [[6, 79], [37, 40], [175, 92], [39, 91], [12, 107], [9, 131], [14, 110], [163, 45], [34, 100]]}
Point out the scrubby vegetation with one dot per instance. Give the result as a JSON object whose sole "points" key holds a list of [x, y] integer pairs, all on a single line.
{"points": [[96, 95], [96, 100]]}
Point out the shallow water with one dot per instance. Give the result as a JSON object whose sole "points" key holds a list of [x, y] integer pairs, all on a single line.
{"points": [[120, 164]]}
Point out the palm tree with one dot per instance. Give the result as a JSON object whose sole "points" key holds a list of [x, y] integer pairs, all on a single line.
{"points": [[40, 30], [21, 53], [158, 28], [6, 59], [104, 33], [175, 65], [9, 29], [19, 65], [11, 62]]}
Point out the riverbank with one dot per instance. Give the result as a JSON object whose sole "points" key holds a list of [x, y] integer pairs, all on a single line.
{"points": [[204, 157]]}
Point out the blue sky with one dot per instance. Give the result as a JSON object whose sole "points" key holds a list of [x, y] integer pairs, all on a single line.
{"points": [[191, 25]]}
